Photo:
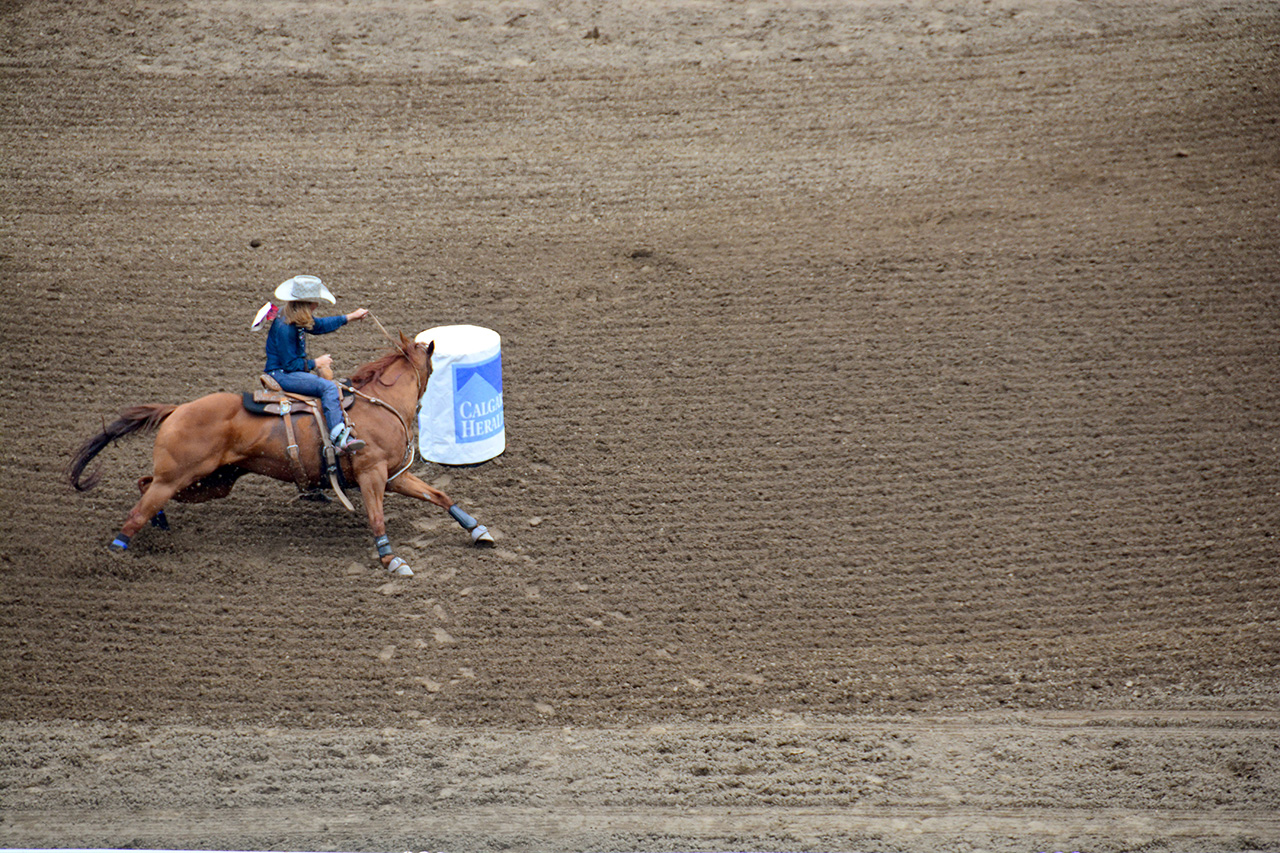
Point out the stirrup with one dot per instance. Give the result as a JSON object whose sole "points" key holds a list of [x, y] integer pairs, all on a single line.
{"points": [[347, 443]]}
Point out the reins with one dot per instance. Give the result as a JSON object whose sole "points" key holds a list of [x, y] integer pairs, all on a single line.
{"points": [[383, 329]]}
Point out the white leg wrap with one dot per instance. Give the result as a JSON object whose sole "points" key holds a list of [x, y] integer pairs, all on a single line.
{"points": [[398, 566]]}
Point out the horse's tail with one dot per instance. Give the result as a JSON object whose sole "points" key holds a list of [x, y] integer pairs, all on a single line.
{"points": [[135, 419]]}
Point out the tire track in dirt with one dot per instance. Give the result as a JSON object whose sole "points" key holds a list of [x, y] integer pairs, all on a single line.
{"points": [[926, 828], [1106, 781]]}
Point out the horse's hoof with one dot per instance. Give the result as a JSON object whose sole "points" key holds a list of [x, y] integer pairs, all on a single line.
{"points": [[119, 545], [399, 567], [480, 536]]}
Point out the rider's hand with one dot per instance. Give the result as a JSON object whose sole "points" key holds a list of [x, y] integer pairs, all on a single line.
{"points": [[358, 314], [325, 360]]}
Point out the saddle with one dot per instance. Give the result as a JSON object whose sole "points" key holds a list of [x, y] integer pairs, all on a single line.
{"points": [[271, 399]]}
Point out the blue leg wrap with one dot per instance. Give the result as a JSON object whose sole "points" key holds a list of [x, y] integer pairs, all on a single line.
{"points": [[462, 518], [384, 546], [119, 544]]}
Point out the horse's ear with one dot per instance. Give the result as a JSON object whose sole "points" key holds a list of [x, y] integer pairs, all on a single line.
{"points": [[431, 347]]}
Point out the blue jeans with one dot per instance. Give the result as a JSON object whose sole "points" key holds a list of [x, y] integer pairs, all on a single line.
{"points": [[298, 382]]}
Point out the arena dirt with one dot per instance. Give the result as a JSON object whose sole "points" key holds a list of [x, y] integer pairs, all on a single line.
{"points": [[892, 408]]}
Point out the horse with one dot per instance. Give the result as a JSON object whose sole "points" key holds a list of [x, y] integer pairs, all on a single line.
{"points": [[204, 446]]}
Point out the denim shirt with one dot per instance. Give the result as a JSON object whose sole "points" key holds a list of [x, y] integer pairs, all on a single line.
{"points": [[287, 345]]}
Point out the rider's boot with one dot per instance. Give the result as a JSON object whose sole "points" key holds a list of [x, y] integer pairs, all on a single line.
{"points": [[344, 441]]}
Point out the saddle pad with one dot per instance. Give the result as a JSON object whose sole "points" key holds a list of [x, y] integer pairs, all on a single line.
{"points": [[270, 406]]}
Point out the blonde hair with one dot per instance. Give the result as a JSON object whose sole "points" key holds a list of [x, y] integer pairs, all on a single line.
{"points": [[300, 314]]}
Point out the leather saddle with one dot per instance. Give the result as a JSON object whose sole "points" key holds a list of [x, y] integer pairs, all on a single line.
{"points": [[271, 399]]}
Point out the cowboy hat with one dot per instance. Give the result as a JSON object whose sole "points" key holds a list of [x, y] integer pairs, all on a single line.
{"points": [[304, 288]]}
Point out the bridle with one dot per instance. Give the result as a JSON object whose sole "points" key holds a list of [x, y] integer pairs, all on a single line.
{"points": [[421, 385]]}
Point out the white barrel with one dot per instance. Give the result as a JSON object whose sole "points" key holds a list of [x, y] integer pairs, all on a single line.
{"points": [[461, 421]]}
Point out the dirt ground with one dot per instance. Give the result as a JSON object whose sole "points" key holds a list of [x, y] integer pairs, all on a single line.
{"points": [[893, 425]]}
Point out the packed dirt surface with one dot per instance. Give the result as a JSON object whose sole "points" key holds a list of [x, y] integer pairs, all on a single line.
{"points": [[893, 425]]}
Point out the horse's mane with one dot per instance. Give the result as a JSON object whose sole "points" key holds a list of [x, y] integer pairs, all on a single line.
{"points": [[372, 372]]}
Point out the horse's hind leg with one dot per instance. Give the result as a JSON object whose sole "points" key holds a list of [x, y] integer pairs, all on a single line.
{"points": [[157, 490], [154, 497], [159, 520]]}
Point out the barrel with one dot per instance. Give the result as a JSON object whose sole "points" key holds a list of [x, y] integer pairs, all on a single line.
{"points": [[461, 421]]}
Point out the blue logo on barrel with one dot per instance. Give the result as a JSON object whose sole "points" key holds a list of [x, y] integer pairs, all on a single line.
{"points": [[477, 400]]}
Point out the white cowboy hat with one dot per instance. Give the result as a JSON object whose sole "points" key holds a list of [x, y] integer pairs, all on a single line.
{"points": [[304, 288]]}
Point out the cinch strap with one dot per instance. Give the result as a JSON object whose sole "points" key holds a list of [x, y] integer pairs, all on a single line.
{"points": [[384, 546]]}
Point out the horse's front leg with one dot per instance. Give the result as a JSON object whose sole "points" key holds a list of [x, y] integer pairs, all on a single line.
{"points": [[373, 485], [415, 487]]}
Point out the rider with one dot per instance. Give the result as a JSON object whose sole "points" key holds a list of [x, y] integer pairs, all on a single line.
{"points": [[287, 360]]}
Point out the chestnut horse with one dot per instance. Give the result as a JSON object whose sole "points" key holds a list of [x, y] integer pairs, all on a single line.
{"points": [[204, 446]]}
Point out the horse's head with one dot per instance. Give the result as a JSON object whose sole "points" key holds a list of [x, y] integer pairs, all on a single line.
{"points": [[419, 355]]}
